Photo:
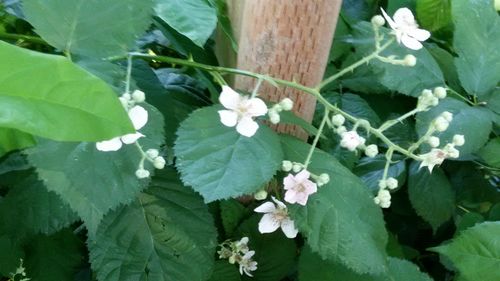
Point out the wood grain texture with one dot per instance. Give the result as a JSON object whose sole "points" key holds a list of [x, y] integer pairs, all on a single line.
{"points": [[288, 39]]}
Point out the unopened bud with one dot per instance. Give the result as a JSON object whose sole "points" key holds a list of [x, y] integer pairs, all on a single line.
{"points": [[138, 96], [286, 166], [142, 173], [340, 130], [152, 153], [392, 183], [286, 104], [378, 20], [433, 141], [274, 117], [447, 115], [338, 120], [410, 60], [458, 140], [382, 184], [440, 92], [296, 168], [371, 150], [159, 162], [323, 179], [441, 124], [260, 195]]}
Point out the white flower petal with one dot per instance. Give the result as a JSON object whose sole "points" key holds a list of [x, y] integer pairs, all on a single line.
{"points": [[113, 144], [139, 116], [267, 207], [411, 43], [420, 34], [288, 227], [247, 127], [257, 107], [404, 16], [389, 20], [228, 118], [268, 224], [229, 98], [280, 204], [131, 138]]}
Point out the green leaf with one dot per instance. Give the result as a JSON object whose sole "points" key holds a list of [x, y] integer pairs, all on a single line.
{"points": [[225, 21], [371, 170], [468, 220], [341, 221], [288, 117], [55, 257], [41, 211], [167, 234], [220, 163], [224, 271], [434, 14], [426, 74], [490, 153], [49, 96], [475, 252], [195, 19], [357, 106], [231, 212], [431, 195], [472, 122], [93, 182], [12, 139], [274, 253], [313, 268], [476, 41], [11, 254], [90, 27]]}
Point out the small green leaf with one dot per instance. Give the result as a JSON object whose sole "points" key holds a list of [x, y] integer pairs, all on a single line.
{"points": [[341, 221], [476, 41], [90, 27], [431, 194], [434, 14], [167, 234], [472, 122], [220, 163], [49, 96], [490, 153], [12, 139], [475, 252], [195, 19]]}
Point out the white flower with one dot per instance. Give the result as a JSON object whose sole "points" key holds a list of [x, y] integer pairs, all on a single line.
{"points": [[247, 264], [299, 187], [338, 120], [434, 157], [276, 216], [139, 117], [240, 111], [458, 140], [371, 150], [406, 28], [242, 245], [351, 140]]}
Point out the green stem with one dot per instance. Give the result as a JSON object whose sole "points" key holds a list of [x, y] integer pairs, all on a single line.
{"points": [[393, 122], [388, 159], [256, 88], [455, 93], [429, 133], [316, 139], [128, 75], [27, 38]]}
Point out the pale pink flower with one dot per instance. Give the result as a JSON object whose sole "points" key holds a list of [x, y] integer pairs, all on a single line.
{"points": [[435, 157], [406, 29], [351, 140], [299, 187], [240, 111], [276, 216]]}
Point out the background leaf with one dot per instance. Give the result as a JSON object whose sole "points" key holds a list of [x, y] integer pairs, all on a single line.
{"points": [[490, 153], [167, 234], [49, 96], [220, 163], [11, 139], [434, 14], [371, 170]]}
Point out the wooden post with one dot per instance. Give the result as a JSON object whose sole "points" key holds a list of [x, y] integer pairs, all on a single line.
{"points": [[288, 39]]}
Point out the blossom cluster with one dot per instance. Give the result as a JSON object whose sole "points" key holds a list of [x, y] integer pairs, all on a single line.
{"points": [[238, 252], [351, 140]]}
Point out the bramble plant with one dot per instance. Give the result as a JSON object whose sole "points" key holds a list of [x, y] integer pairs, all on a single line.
{"points": [[127, 155]]}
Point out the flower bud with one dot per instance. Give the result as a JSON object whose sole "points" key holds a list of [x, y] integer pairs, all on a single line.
{"points": [[274, 117], [286, 104], [392, 183], [142, 173], [458, 140], [260, 195], [296, 168], [453, 153], [382, 184], [385, 204], [441, 124], [286, 166], [384, 195], [376, 200], [440, 92], [410, 60], [323, 179], [124, 102], [126, 97], [338, 120], [159, 162], [447, 115], [138, 96], [340, 130], [378, 20], [152, 153], [433, 141], [371, 150]]}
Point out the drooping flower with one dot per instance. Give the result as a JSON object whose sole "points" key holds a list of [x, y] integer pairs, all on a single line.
{"points": [[406, 28], [299, 187], [247, 264], [351, 140], [139, 117], [276, 216], [240, 111]]}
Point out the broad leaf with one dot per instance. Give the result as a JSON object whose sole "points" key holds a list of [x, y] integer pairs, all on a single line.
{"points": [[11, 254], [195, 19], [55, 257], [371, 170], [224, 271], [231, 213], [313, 268], [476, 252], [166, 234], [94, 28], [12, 139], [341, 221], [490, 153], [476, 41], [93, 182], [49, 96], [220, 163], [434, 14], [431, 194], [472, 122]]}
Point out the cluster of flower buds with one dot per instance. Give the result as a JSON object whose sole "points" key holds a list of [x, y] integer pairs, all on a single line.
{"points": [[296, 167], [383, 198], [430, 98], [152, 155], [274, 112], [129, 100], [351, 140], [299, 186], [238, 252], [437, 155]]}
